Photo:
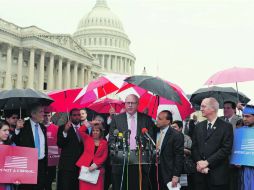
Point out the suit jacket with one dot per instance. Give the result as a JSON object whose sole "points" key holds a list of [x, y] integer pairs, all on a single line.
{"points": [[25, 137], [215, 148], [233, 121], [71, 149], [88, 155], [171, 155], [120, 122]]}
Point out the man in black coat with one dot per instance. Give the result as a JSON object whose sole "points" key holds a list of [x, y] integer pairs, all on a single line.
{"points": [[33, 134], [170, 148], [71, 148], [135, 122], [211, 148]]}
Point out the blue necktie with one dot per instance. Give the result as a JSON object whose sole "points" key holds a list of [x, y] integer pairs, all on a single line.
{"points": [[37, 139]]}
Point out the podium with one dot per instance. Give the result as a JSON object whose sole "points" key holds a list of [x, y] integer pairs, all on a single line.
{"points": [[132, 157]]}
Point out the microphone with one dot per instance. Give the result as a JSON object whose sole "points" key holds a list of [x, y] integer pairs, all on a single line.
{"points": [[116, 132], [128, 133], [120, 135], [145, 132]]}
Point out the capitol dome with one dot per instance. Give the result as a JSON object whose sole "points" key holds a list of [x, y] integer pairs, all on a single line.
{"points": [[102, 33], [100, 16]]}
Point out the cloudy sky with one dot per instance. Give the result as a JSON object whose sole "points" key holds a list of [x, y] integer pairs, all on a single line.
{"points": [[183, 41]]}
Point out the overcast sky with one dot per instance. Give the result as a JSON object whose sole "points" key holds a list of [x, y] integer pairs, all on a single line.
{"points": [[183, 41]]}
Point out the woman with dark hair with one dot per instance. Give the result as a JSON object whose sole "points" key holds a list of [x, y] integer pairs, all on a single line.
{"points": [[5, 140], [94, 155], [4, 133]]}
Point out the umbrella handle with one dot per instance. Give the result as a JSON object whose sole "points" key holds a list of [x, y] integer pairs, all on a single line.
{"points": [[20, 112], [67, 110]]}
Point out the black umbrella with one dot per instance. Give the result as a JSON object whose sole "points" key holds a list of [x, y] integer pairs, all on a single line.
{"points": [[22, 99], [155, 85], [221, 94]]}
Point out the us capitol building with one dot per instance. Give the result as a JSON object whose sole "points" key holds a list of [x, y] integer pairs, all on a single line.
{"points": [[31, 57]]}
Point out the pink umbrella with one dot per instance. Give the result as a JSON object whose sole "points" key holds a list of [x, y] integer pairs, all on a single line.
{"points": [[103, 106], [232, 75], [99, 88], [63, 100]]}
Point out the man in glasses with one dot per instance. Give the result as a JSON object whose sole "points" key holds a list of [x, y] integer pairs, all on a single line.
{"points": [[69, 141], [134, 122]]}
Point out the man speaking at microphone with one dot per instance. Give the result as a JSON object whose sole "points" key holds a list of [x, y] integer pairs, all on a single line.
{"points": [[170, 152], [134, 122]]}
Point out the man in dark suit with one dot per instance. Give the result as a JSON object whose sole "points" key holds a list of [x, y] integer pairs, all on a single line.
{"points": [[229, 112], [69, 141], [211, 148], [170, 148], [33, 134], [133, 121]]}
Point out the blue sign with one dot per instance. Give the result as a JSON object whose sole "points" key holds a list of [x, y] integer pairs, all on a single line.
{"points": [[243, 147]]}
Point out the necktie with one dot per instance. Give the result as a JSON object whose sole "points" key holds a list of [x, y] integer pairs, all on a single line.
{"points": [[209, 129], [77, 133], [226, 119], [133, 133], [158, 143], [37, 138]]}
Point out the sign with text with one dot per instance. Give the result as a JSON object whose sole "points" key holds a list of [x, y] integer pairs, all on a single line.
{"points": [[53, 150], [18, 164], [243, 147]]}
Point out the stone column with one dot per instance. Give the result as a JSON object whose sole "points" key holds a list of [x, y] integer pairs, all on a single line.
{"points": [[132, 67], [128, 66], [75, 75], [51, 73], [88, 75], [124, 65], [109, 63], [7, 82], [20, 66], [67, 74], [60, 73], [81, 81], [103, 62], [115, 64], [121, 64], [31, 69], [41, 70]]}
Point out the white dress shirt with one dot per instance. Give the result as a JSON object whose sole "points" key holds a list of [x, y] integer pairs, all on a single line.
{"points": [[42, 138]]}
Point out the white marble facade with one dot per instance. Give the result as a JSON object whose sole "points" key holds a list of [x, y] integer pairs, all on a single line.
{"points": [[31, 57]]}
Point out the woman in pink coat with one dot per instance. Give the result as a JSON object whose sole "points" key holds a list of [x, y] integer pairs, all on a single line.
{"points": [[94, 155]]}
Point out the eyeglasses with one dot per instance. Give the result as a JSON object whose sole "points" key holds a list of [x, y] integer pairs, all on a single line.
{"points": [[130, 103]]}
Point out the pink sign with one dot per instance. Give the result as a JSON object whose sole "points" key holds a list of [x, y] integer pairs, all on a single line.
{"points": [[18, 164], [53, 150]]}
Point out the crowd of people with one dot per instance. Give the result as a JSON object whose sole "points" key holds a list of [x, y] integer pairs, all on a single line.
{"points": [[195, 154]]}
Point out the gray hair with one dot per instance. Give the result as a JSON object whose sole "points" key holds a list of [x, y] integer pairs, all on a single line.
{"points": [[135, 96], [213, 103], [99, 117]]}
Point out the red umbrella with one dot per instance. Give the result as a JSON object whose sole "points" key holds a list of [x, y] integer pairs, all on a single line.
{"points": [[99, 88], [155, 104], [63, 100], [103, 106]]}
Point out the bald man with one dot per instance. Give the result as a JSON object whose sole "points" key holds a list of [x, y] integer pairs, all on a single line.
{"points": [[211, 148]]}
